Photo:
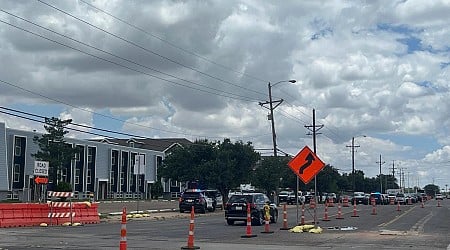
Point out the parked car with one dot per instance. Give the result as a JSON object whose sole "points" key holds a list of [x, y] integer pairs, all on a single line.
{"points": [[236, 208], [285, 196], [215, 194], [400, 198], [439, 196], [378, 197], [193, 197], [358, 198]]}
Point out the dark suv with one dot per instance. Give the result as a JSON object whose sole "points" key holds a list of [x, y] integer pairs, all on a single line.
{"points": [[191, 198], [236, 208]]}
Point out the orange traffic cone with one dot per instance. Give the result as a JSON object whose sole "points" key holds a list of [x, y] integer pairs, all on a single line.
{"points": [[266, 225], [325, 218], [248, 233], [285, 225], [439, 203], [398, 206], [123, 230], [374, 208], [302, 222], [354, 210], [339, 216], [190, 243]]}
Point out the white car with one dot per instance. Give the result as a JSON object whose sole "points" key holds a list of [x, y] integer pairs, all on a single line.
{"points": [[439, 196]]}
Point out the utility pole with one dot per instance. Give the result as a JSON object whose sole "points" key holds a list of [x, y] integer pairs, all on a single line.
{"points": [[314, 128], [381, 179], [393, 174], [353, 146], [273, 105]]}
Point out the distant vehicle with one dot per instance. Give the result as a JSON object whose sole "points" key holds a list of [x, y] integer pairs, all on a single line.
{"points": [[439, 196], [215, 194], [236, 208], [400, 198], [283, 196], [193, 197], [358, 197], [331, 196], [378, 197]]}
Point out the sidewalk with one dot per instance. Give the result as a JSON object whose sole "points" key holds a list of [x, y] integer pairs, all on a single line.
{"points": [[149, 206]]}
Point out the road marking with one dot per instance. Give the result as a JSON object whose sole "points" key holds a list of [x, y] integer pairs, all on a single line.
{"points": [[418, 227], [396, 218]]}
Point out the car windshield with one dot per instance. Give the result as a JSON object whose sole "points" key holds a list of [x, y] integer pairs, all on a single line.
{"points": [[400, 195], [240, 199]]}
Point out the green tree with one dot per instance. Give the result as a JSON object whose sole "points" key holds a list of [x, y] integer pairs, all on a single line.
{"points": [[273, 173], [220, 165], [431, 189], [53, 148]]}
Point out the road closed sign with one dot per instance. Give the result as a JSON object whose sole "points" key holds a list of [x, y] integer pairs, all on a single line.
{"points": [[306, 165], [40, 168]]}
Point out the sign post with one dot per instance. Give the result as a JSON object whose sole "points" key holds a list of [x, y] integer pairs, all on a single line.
{"points": [[40, 172], [306, 165]]}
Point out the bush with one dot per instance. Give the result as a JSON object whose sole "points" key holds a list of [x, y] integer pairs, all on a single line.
{"points": [[63, 187]]}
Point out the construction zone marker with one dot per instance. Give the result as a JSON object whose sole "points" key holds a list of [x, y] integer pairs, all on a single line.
{"points": [[267, 220], [123, 230], [302, 222], [285, 224], [248, 233], [354, 210], [325, 218], [439, 203], [339, 216], [306, 228], [190, 243], [398, 206]]}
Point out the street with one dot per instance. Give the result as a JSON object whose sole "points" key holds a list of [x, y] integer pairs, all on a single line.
{"points": [[412, 227]]}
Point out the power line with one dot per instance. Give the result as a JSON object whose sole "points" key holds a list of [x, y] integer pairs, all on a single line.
{"points": [[244, 98], [75, 124], [172, 44], [145, 49]]}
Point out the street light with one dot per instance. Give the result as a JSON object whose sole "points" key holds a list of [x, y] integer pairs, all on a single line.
{"points": [[271, 108], [353, 157]]}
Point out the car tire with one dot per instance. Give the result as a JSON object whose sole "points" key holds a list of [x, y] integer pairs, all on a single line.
{"points": [[260, 220], [181, 211], [230, 222], [203, 210]]}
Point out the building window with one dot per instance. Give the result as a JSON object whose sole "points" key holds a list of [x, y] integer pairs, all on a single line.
{"points": [[77, 176], [77, 156], [122, 178], [17, 146], [89, 155], [16, 172], [64, 174], [123, 161], [88, 176], [111, 177], [113, 159], [131, 181]]}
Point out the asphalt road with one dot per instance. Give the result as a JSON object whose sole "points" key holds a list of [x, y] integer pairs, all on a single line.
{"points": [[411, 228]]}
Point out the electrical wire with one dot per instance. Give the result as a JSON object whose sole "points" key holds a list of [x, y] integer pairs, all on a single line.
{"points": [[145, 49], [172, 44], [132, 69]]}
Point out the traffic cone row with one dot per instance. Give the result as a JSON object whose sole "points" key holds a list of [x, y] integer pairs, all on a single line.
{"points": [[345, 202], [312, 203]]}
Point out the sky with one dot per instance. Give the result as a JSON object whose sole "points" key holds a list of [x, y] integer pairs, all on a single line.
{"points": [[375, 72]]}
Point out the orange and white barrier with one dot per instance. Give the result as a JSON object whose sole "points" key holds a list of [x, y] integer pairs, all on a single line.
{"points": [[123, 230], [248, 233]]}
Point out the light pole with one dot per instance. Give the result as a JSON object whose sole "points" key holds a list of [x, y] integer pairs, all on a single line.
{"points": [[271, 108], [353, 146]]}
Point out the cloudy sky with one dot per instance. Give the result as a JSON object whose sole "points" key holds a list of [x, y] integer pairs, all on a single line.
{"points": [[375, 71]]}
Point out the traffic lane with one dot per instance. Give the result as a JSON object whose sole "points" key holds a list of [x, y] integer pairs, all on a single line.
{"points": [[365, 219], [440, 221], [210, 230]]}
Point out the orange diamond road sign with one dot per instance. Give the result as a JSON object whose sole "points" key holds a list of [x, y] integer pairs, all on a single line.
{"points": [[306, 164]]}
